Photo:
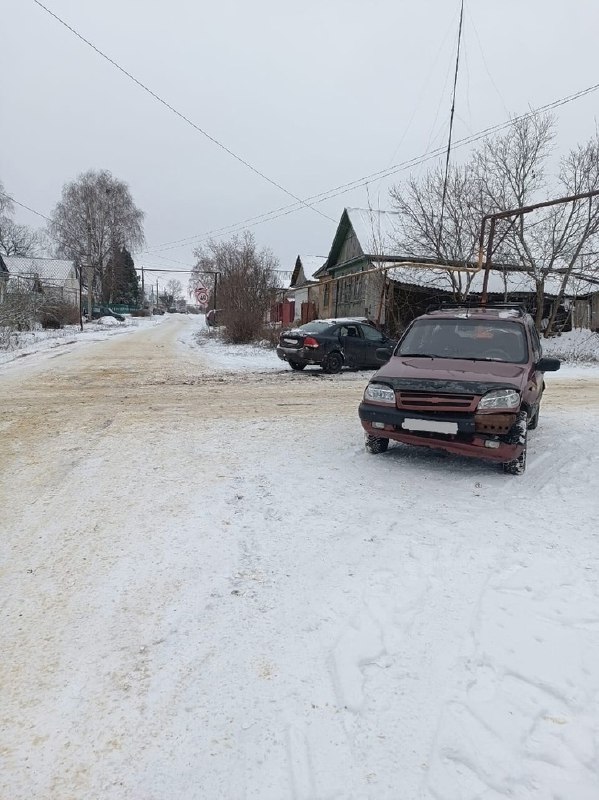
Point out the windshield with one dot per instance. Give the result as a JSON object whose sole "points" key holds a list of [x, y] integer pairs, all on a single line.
{"points": [[471, 339]]}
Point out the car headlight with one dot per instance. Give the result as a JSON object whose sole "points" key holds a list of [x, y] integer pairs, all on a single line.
{"points": [[500, 398], [380, 393]]}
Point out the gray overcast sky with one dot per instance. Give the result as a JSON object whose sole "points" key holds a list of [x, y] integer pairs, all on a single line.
{"points": [[313, 93]]}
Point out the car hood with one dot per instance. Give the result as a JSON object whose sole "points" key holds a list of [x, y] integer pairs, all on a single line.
{"points": [[417, 373]]}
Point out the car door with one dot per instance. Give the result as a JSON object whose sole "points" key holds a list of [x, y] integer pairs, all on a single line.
{"points": [[373, 339], [537, 379], [353, 345]]}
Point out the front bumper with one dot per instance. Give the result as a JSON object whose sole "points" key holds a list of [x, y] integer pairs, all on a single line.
{"points": [[467, 441]]}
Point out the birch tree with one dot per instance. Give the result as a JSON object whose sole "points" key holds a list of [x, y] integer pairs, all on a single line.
{"points": [[96, 216]]}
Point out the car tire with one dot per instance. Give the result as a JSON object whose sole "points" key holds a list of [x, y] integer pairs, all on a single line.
{"points": [[518, 465], [296, 365], [376, 444], [534, 420], [333, 363]]}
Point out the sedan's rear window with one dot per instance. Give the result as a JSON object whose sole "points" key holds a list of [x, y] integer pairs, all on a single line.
{"points": [[471, 339], [318, 326]]}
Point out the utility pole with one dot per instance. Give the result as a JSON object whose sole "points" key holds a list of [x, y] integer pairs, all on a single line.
{"points": [[81, 295], [514, 214], [143, 289], [90, 272]]}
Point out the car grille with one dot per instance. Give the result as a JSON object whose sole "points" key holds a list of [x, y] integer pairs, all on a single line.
{"points": [[433, 401]]}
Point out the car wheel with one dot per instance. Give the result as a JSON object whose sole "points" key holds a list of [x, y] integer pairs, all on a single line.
{"points": [[375, 444], [518, 465], [535, 420], [296, 365], [333, 363]]}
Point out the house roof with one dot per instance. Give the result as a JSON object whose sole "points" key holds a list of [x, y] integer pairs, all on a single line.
{"points": [[512, 281], [309, 265], [46, 269], [374, 230]]}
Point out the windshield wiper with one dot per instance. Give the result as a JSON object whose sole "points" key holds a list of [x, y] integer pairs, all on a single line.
{"points": [[422, 355]]}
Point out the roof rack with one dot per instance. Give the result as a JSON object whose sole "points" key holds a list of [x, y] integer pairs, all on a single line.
{"points": [[476, 304]]}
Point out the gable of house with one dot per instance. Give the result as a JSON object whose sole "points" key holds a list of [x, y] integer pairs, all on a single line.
{"points": [[362, 236], [305, 269]]}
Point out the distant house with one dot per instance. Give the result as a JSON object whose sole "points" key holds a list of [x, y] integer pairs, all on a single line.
{"points": [[364, 240], [50, 277], [302, 279], [366, 275]]}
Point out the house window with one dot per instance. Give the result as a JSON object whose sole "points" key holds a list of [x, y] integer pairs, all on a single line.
{"points": [[326, 297]]}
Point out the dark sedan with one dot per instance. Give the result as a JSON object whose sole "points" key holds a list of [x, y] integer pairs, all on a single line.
{"points": [[333, 344]]}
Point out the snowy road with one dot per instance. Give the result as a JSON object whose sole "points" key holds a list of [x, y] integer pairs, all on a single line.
{"points": [[209, 590]]}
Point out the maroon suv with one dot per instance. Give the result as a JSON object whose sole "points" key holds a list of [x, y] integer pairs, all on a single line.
{"points": [[464, 379]]}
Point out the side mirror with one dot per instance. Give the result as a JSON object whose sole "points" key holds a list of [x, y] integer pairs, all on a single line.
{"points": [[548, 365], [383, 353]]}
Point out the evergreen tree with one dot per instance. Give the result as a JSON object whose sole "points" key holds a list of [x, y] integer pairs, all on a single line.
{"points": [[121, 284]]}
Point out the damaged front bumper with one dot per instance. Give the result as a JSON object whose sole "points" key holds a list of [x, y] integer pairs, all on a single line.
{"points": [[496, 437]]}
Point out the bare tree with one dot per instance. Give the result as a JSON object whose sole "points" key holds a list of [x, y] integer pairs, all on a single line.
{"points": [[422, 232], [171, 293], [16, 240], [549, 242], [246, 283], [6, 204], [19, 240], [95, 217], [174, 289], [508, 171]]}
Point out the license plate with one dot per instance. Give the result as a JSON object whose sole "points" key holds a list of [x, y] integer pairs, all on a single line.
{"points": [[430, 425], [290, 341]]}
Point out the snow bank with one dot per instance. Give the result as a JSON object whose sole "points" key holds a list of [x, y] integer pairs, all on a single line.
{"points": [[578, 346], [109, 322], [236, 357]]}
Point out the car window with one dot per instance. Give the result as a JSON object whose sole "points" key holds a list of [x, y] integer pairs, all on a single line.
{"points": [[536, 343], [318, 326], [349, 330], [371, 334], [475, 339]]}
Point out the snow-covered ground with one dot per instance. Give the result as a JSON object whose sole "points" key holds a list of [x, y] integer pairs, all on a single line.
{"points": [[210, 590], [27, 343], [580, 346]]}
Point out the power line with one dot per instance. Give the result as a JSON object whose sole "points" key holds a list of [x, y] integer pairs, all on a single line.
{"points": [[269, 216], [344, 188], [178, 113]]}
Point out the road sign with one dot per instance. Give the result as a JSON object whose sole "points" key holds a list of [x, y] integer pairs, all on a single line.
{"points": [[202, 297]]}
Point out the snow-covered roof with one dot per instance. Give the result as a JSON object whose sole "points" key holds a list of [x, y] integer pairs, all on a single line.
{"points": [[499, 282], [376, 230], [311, 264], [46, 269], [284, 278]]}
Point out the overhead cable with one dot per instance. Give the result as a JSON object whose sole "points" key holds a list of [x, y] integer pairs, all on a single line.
{"points": [[178, 113]]}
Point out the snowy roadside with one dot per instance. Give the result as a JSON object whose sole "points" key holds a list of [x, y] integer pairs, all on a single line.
{"points": [[576, 346], [578, 350], [28, 343]]}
